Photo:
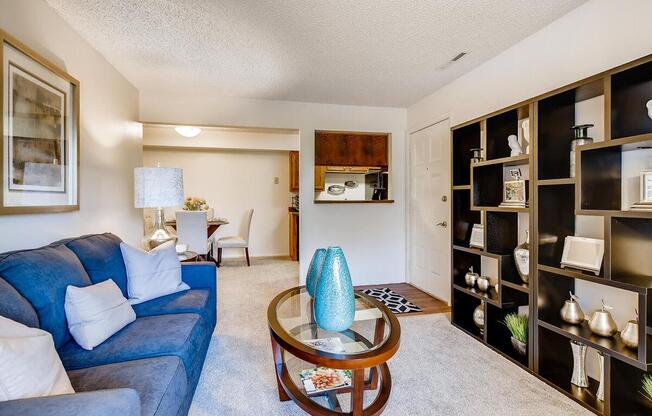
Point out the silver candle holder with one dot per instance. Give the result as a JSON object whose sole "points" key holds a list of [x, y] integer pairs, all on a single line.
{"points": [[579, 377]]}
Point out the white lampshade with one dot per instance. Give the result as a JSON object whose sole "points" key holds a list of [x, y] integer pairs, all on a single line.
{"points": [[158, 187]]}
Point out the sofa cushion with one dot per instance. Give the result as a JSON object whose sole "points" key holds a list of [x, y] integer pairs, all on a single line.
{"points": [[181, 335], [160, 382], [190, 301], [15, 307], [101, 256], [41, 276]]}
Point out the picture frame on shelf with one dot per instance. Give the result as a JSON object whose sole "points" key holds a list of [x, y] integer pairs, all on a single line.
{"points": [[477, 236], [515, 191], [40, 133], [583, 253], [645, 202]]}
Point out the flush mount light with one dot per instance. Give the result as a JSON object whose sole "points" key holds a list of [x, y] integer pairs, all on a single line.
{"points": [[187, 131]]}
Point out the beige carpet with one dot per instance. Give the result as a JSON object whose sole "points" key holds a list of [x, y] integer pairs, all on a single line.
{"points": [[438, 370]]}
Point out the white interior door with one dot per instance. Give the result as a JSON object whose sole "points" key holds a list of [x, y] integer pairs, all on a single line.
{"points": [[429, 213]]}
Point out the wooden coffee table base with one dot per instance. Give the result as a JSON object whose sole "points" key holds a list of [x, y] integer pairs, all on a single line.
{"points": [[288, 390]]}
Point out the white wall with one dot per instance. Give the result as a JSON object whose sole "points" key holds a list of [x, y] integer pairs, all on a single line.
{"points": [[372, 235], [222, 138], [233, 181], [110, 136], [594, 37]]}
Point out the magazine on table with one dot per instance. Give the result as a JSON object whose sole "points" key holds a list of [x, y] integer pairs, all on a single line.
{"points": [[321, 379]]}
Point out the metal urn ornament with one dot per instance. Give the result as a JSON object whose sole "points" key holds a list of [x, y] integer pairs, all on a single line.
{"points": [[579, 377], [471, 277], [602, 323], [477, 155], [522, 258], [579, 138], [629, 334], [478, 317], [571, 312], [483, 283]]}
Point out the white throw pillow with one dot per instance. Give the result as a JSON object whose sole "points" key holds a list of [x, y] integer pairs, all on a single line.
{"points": [[152, 274], [96, 312], [29, 363]]}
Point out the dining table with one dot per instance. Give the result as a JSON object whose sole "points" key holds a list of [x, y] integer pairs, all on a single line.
{"points": [[211, 225]]}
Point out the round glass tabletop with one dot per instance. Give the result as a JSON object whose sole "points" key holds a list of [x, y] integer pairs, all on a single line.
{"points": [[370, 329]]}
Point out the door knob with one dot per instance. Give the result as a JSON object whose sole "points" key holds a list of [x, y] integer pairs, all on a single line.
{"points": [[444, 198], [442, 224]]}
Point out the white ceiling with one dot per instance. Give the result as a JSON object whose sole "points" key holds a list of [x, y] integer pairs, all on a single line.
{"points": [[366, 52]]}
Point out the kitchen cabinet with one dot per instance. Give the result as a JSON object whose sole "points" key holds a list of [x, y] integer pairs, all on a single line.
{"points": [[294, 235], [320, 178], [294, 171], [351, 149]]}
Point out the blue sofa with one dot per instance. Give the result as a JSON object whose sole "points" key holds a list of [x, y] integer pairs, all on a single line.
{"points": [[150, 367]]}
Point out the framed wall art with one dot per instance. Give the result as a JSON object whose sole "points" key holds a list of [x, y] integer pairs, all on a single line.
{"points": [[40, 133]]}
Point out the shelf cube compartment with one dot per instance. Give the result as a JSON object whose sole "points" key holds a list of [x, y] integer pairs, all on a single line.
{"points": [[556, 366], [501, 230], [498, 336], [464, 139], [553, 291], [631, 249], [558, 204], [631, 89], [462, 312], [556, 115], [462, 261], [499, 128], [463, 217], [626, 391]]}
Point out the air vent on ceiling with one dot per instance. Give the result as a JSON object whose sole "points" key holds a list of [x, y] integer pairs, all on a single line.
{"points": [[452, 61]]}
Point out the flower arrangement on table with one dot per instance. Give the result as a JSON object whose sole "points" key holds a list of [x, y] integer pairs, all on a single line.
{"points": [[194, 203]]}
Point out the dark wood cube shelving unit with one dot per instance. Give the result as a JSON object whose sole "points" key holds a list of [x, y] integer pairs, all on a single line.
{"points": [[557, 200]]}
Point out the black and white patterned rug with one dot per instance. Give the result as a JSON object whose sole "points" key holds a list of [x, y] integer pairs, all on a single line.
{"points": [[395, 302]]}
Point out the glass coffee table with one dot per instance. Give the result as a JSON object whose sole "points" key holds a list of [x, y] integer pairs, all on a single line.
{"points": [[362, 351]]}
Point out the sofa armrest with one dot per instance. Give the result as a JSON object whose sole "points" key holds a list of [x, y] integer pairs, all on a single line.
{"points": [[199, 275], [93, 403]]}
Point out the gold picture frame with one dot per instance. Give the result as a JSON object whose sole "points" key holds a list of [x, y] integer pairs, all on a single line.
{"points": [[40, 149]]}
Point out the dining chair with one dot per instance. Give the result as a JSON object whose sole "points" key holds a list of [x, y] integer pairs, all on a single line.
{"points": [[240, 241], [191, 230]]}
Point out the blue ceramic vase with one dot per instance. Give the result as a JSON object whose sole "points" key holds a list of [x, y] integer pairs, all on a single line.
{"points": [[314, 269], [334, 298]]}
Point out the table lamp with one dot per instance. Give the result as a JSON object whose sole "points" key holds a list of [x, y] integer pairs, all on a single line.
{"points": [[158, 188]]}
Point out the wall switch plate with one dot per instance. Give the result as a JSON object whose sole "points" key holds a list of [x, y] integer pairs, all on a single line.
{"points": [[276, 181]]}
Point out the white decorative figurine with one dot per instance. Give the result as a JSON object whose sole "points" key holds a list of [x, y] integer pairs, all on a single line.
{"points": [[513, 143], [649, 108]]}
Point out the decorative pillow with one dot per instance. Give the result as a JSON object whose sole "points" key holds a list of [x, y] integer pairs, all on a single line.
{"points": [[96, 312], [29, 363], [152, 274]]}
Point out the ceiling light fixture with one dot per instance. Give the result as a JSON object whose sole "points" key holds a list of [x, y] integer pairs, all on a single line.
{"points": [[187, 131]]}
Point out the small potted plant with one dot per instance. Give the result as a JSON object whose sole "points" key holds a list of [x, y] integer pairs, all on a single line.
{"points": [[517, 325], [646, 385]]}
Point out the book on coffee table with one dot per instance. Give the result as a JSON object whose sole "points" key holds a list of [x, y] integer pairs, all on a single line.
{"points": [[321, 379]]}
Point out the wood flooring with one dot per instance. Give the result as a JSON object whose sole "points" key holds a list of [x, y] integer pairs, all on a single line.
{"points": [[427, 303]]}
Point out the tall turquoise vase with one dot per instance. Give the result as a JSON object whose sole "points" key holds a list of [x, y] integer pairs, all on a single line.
{"points": [[334, 298], [314, 269]]}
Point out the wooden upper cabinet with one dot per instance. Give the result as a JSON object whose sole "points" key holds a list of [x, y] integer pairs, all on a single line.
{"points": [[294, 171], [351, 149]]}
